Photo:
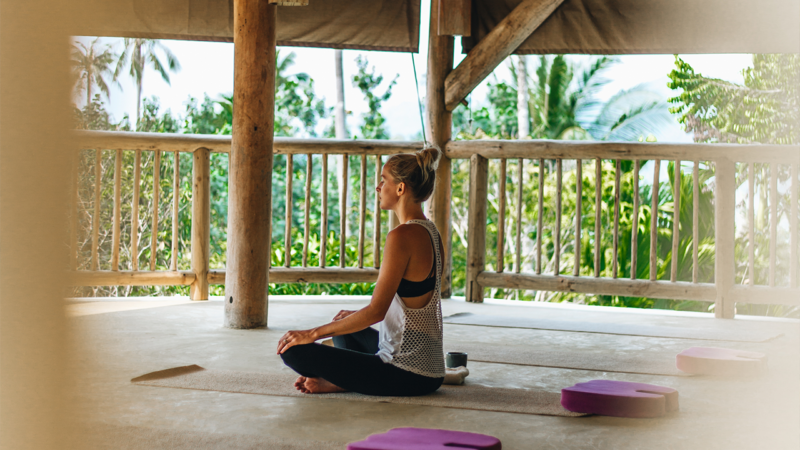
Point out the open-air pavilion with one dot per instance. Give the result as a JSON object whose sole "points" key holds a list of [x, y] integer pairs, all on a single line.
{"points": [[119, 339]]}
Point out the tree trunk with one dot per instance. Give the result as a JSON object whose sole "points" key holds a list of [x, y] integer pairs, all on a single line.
{"points": [[339, 112], [138, 104], [250, 186], [523, 117], [88, 86]]}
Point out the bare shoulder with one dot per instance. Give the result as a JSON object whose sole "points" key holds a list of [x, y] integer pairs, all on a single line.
{"points": [[408, 232]]}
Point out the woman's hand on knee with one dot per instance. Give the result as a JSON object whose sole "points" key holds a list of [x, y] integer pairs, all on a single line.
{"points": [[342, 314], [295, 337]]}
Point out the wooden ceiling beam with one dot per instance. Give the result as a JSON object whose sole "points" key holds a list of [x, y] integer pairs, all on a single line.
{"points": [[455, 18], [495, 47]]}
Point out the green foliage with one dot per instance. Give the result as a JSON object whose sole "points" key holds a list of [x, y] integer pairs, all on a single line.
{"points": [[297, 107], [95, 117], [765, 109], [206, 117], [367, 81], [153, 122], [563, 105]]}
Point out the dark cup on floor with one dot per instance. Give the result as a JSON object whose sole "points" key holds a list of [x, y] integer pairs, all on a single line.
{"points": [[455, 359]]}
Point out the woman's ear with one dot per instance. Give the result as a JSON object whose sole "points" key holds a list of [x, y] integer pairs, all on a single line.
{"points": [[401, 188]]}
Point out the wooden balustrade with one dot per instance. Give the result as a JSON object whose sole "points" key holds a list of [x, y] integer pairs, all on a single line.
{"points": [[667, 283], [200, 276], [664, 277]]}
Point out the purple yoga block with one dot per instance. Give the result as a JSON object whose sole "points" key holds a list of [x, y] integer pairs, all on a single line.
{"points": [[426, 439], [620, 399], [721, 361]]}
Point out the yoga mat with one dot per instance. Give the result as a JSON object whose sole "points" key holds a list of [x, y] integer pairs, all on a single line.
{"points": [[139, 438], [742, 333], [640, 363], [467, 396]]}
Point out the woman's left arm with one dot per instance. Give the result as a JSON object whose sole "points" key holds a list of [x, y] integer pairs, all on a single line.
{"points": [[395, 260]]}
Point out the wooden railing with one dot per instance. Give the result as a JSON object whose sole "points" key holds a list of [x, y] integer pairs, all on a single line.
{"points": [[547, 157], [725, 292], [201, 147]]}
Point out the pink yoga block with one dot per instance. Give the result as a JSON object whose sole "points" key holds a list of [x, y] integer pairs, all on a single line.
{"points": [[426, 439], [721, 361], [620, 399]]}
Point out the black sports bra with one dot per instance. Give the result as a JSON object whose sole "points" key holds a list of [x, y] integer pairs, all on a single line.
{"points": [[409, 288]]}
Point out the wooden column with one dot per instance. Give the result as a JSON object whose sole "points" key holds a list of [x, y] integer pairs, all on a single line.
{"points": [[476, 229], [724, 234], [250, 182], [201, 223], [439, 128]]}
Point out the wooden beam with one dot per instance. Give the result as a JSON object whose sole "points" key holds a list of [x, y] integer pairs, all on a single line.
{"points": [[188, 143], [495, 47], [201, 223], [626, 151], [476, 227], [765, 295], [600, 286], [439, 129], [455, 18], [250, 173], [309, 275], [131, 278]]}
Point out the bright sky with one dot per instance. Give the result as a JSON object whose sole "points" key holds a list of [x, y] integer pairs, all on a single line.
{"points": [[207, 67]]}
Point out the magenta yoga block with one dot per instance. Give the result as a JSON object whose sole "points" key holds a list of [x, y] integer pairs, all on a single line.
{"points": [[620, 399], [426, 439]]}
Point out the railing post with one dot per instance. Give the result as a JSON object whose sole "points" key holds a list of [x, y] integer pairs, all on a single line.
{"points": [[440, 122], [201, 222], [476, 234], [724, 218]]}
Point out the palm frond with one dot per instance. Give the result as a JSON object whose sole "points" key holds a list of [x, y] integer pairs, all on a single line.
{"points": [[640, 122], [624, 104]]}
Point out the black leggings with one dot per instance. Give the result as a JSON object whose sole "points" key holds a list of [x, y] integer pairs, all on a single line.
{"points": [[354, 366]]}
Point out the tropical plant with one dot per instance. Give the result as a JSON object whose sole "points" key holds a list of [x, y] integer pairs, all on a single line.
{"points": [[367, 81], [297, 107], [136, 56], [152, 120], [563, 104], [91, 66], [95, 117], [765, 109]]}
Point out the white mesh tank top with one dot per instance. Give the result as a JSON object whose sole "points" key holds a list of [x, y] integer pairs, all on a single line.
{"points": [[411, 339]]}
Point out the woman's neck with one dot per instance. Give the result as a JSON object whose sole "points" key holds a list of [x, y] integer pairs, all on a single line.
{"points": [[409, 211]]}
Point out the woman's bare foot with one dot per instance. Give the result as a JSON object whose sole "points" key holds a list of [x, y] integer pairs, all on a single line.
{"points": [[298, 384], [309, 385]]}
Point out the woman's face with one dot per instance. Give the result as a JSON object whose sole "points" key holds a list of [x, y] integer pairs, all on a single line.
{"points": [[389, 192]]}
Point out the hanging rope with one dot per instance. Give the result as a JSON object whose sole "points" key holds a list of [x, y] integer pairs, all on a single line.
{"points": [[419, 101]]}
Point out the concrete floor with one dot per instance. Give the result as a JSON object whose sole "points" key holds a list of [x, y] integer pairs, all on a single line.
{"points": [[118, 340]]}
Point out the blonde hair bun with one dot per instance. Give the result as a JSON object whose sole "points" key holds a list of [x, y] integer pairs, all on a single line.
{"points": [[428, 159]]}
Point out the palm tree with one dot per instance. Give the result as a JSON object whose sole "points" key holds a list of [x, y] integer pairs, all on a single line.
{"points": [[565, 108], [139, 53], [90, 66]]}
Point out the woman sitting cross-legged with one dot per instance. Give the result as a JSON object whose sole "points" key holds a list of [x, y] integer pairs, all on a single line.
{"points": [[405, 357]]}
